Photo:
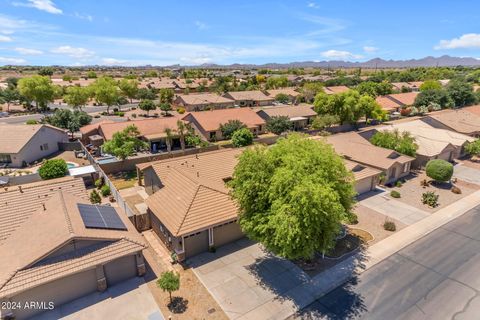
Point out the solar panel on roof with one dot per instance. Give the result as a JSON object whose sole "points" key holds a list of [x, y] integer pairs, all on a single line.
{"points": [[100, 217]]}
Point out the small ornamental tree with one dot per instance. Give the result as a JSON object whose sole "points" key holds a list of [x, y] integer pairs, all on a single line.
{"points": [[293, 196], [282, 98], [325, 121], [54, 168], [242, 137], [147, 105], [401, 142], [165, 107], [169, 281], [95, 197], [279, 124], [439, 170], [125, 143], [230, 127]]}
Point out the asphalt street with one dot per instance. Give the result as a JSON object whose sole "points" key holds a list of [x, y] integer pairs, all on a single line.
{"points": [[436, 277]]}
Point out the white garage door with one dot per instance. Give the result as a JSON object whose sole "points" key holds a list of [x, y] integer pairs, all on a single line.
{"points": [[363, 185], [120, 270]]}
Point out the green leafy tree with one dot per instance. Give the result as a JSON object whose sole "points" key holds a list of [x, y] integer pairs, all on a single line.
{"points": [[461, 93], [394, 140], [166, 95], [146, 94], [38, 89], [54, 168], [169, 139], [431, 96], [473, 148], [169, 281], [182, 130], [431, 85], [105, 91], [77, 96], [276, 82], [230, 127], [129, 88], [45, 71], [374, 89], [166, 107], [91, 75], [282, 98], [95, 197], [147, 105], [125, 143], [242, 137], [66, 119], [293, 195], [325, 121], [279, 124], [439, 170], [345, 105], [310, 89], [9, 95]]}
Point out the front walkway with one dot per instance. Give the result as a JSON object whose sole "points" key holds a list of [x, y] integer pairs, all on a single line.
{"points": [[130, 299], [380, 201]]}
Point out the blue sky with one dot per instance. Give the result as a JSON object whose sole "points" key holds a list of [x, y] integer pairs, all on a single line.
{"points": [[127, 32]]}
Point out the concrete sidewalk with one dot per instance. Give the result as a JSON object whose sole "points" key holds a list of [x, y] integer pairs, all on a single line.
{"points": [[321, 284]]}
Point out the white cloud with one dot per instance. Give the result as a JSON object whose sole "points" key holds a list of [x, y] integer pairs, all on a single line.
{"points": [[79, 53], [5, 38], [26, 51], [313, 5], [83, 16], [4, 60], [113, 62], [42, 5], [201, 25], [370, 49], [340, 55], [469, 40]]}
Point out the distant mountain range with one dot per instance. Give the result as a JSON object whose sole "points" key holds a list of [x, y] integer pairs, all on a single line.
{"points": [[443, 61]]}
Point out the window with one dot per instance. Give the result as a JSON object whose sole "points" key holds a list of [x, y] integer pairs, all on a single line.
{"points": [[212, 135], [5, 158], [44, 147]]}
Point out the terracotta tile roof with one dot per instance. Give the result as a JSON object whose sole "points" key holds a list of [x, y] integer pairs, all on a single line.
{"points": [[13, 137], [459, 120], [360, 171], [473, 109], [157, 84], [354, 147], [93, 127], [147, 127], [194, 195], [406, 99], [335, 89], [431, 141], [203, 98], [211, 120], [25, 253], [254, 95], [388, 104], [303, 110], [18, 203], [288, 91]]}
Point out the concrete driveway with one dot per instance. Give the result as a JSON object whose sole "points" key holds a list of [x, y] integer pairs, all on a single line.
{"points": [[130, 299], [380, 201], [249, 283], [467, 174]]}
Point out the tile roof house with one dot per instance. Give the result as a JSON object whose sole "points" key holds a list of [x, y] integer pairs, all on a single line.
{"points": [[396, 101], [207, 123], [460, 121], [189, 204], [21, 144], [290, 92], [355, 148], [202, 101], [299, 115], [52, 254], [255, 98], [151, 130], [335, 89], [412, 85], [433, 143]]}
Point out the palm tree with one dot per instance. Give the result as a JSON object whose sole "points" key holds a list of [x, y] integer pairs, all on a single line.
{"points": [[169, 139], [181, 129]]}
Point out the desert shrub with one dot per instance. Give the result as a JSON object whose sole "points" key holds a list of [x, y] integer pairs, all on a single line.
{"points": [[424, 183], [389, 226], [134, 115], [456, 190], [352, 218], [105, 190], [439, 170], [181, 110], [430, 198], [95, 197], [99, 183], [54, 168], [398, 183], [395, 194], [405, 112], [31, 121]]}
